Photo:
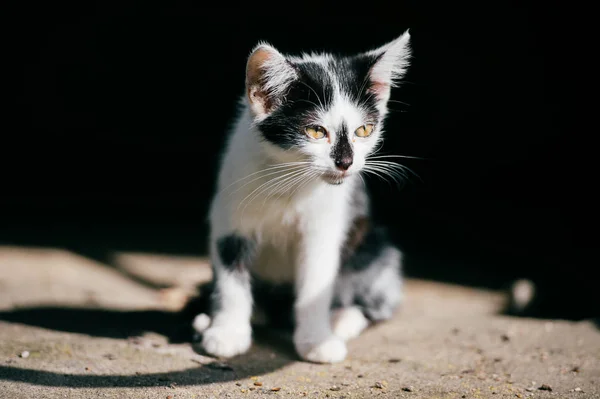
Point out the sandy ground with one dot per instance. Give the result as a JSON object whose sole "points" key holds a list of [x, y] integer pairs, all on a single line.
{"points": [[72, 327]]}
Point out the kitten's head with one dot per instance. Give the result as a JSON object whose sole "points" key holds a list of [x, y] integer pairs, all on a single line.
{"points": [[323, 109]]}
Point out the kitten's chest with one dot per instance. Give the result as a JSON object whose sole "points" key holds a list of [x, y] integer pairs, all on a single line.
{"points": [[278, 231], [284, 218], [280, 228]]}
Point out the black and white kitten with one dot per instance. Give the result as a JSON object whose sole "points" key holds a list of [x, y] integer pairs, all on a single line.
{"points": [[291, 208]]}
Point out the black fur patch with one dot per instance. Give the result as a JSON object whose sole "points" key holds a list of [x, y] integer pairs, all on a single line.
{"points": [[353, 77], [342, 153], [313, 89], [285, 126], [235, 251], [373, 243]]}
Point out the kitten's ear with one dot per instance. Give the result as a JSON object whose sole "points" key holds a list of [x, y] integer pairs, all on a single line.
{"points": [[268, 75], [391, 63]]}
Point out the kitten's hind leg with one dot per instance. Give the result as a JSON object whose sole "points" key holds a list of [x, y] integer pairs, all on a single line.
{"points": [[230, 332], [369, 286], [348, 322]]}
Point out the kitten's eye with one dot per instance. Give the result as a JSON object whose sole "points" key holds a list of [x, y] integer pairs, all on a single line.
{"points": [[316, 132], [364, 131]]}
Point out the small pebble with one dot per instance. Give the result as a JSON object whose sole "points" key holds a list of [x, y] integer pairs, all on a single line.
{"points": [[518, 395], [408, 389], [577, 390], [394, 360], [360, 376], [258, 383], [239, 384], [170, 397], [378, 385], [545, 387], [505, 338], [24, 354], [575, 369], [276, 389], [335, 388]]}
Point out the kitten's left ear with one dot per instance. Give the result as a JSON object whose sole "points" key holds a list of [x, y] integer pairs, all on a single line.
{"points": [[268, 75], [391, 63]]}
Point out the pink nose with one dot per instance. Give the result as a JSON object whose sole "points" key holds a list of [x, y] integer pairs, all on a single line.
{"points": [[343, 163]]}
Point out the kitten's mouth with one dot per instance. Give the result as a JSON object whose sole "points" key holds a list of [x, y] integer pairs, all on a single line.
{"points": [[334, 178]]}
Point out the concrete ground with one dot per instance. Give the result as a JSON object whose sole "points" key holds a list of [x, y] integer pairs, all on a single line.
{"points": [[73, 327]]}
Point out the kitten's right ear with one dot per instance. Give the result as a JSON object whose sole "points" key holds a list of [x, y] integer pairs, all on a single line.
{"points": [[268, 75]]}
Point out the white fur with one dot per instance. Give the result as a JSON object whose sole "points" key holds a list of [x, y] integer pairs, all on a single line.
{"points": [[298, 225], [348, 323], [391, 67]]}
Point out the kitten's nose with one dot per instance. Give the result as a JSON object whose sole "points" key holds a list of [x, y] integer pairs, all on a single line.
{"points": [[343, 163]]}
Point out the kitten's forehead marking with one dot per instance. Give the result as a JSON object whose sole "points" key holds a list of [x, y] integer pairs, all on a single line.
{"points": [[338, 108], [343, 116]]}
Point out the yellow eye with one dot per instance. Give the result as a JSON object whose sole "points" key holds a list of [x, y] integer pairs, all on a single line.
{"points": [[364, 131], [316, 132]]}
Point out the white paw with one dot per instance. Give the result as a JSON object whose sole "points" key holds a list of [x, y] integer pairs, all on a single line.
{"points": [[227, 341], [201, 322], [329, 350], [348, 323]]}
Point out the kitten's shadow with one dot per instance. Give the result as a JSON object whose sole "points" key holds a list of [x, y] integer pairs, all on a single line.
{"points": [[271, 350]]}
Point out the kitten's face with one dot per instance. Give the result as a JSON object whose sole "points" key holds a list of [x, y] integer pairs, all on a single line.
{"points": [[323, 110]]}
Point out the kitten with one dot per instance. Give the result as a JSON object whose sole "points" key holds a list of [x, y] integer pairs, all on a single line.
{"points": [[291, 214]]}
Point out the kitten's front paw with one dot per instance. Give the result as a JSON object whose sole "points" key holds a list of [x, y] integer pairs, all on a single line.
{"points": [[226, 341], [330, 350]]}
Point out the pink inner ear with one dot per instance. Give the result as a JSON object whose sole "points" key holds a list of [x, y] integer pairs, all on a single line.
{"points": [[260, 98], [255, 81], [380, 89]]}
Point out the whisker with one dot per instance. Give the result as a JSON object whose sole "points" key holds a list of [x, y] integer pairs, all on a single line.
{"points": [[271, 167], [313, 174], [308, 101], [285, 185], [400, 102], [266, 184], [364, 85], [388, 172], [399, 166], [400, 173], [362, 179], [313, 90], [287, 169], [399, 156], [369, 170]]}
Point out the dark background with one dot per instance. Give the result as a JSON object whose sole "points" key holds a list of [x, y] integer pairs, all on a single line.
{"points": [[120, 114]]}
